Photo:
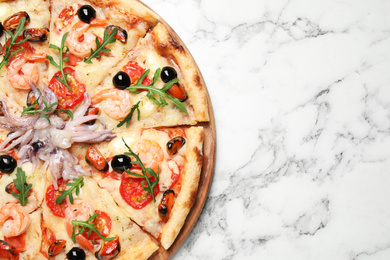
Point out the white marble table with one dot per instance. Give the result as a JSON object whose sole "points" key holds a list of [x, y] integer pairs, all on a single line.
{"points": [[301, 96]]}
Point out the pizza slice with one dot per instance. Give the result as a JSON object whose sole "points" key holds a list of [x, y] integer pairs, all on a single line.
{"points": [[157, 84], [20, 214], [87, 37], [24, 38], [88, 222], [167, 161]]}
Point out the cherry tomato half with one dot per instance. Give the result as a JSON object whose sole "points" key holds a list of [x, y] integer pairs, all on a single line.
{"points": [[67, 99], [135, 71], [52, 195], [132, 192], [102, 223]]}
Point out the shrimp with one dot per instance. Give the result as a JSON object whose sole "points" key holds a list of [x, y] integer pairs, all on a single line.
{"points": [[81, 210], [20, 70], [15, 219], [150, 153], [117, 103], [79, 41]]}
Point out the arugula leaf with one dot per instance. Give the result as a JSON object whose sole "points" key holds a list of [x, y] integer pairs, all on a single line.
{"points": [[127, 119], [161, 93], [69, 192], [66, 112], [31, 110], [82, 225], [62, 59], [107, 39], [20, 182], [13, 37], [145, 172]]}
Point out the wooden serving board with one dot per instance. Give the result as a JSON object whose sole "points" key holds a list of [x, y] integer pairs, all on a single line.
{"points": [[206, 177]]}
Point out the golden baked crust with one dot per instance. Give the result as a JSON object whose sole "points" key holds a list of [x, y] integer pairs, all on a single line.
{"points": [[189, 187], [148, 217], [167, 46]]}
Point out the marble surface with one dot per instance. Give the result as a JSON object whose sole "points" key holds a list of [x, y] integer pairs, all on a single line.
{"points": [[301, 97]]}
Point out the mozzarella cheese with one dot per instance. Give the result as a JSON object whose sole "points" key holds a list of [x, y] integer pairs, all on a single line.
{"points": [[89, 74], [5, 11]]}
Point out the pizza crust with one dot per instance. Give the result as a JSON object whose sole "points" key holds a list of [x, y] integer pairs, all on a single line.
{"points": [[133, 6], [189, 187], [167, 46]]}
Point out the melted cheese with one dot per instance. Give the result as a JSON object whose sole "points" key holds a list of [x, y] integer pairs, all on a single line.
{"points": [[90, 74], [5, 11], [146, 107]]}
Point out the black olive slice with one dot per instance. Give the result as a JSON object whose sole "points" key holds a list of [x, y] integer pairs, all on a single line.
{"points": [[86, 13], [7, 164], [167, 74], [120, 163], [121, 80], [76, 253]]}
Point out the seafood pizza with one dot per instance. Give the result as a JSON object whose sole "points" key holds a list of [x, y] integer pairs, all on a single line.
{"points": [[101, 127]]}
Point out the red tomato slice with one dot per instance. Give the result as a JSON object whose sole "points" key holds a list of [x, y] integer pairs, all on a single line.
{"points": [[135, 71], [52, 195], [102, 223], [67, 99], [132, 192]]}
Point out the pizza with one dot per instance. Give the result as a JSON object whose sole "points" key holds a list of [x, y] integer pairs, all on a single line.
{"points": [[102, 115]]}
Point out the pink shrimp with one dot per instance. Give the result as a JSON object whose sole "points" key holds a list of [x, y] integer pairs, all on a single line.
{"points": [[117, 103], [150, 153], [20, 70], [15, 219], [80, 210], [79, 41]]}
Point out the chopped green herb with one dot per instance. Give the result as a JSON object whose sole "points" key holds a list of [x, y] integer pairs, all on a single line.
{"points": [[107, 39], [20, 184], [145, 172], [76, 185], [31, 110], [13, 37], [81, 226], [127, 119], [152, 90], [62, 51]]}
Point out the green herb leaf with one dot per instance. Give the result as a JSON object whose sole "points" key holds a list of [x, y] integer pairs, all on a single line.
{"points": [[149, 186], [81, 226], [62, 51], [127, 119], [107, 39], [20, 182], [76, 185], [13, 37], [66, 111], [31, 110], [161, 93]]}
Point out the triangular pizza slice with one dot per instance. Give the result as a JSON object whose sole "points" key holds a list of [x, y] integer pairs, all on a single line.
{"points": [[90, 224], [157, 84], [167, 161], [87, 38]]}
